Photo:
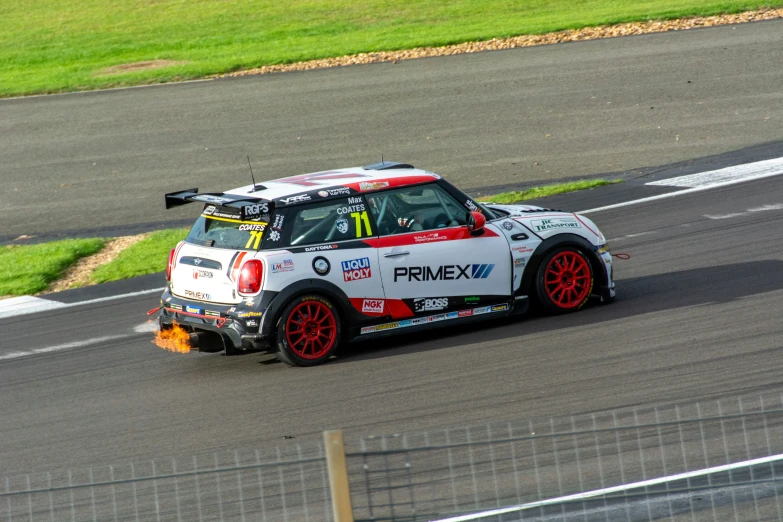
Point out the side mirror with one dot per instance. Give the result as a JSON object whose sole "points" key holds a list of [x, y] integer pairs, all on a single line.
{"points": [[475, 223]]}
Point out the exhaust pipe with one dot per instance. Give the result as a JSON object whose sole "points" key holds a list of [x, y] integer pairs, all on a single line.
{"points": [[207, 341]]}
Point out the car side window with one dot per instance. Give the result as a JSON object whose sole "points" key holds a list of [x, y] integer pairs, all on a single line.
{"points": [[335, 220], [414, 209]]}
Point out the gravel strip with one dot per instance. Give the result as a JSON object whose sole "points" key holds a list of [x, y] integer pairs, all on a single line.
{"points": [[80, 274], [575, 35]]}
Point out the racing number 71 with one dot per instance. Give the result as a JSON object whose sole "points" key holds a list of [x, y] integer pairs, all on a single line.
{"points": [[360, 217], [255, 235]]}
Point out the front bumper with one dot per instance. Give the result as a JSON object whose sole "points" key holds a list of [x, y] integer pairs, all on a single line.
{"points": [[607, 291]]}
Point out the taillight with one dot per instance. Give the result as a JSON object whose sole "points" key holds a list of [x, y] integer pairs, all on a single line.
{"points": [[251, 277], [170, 264]]}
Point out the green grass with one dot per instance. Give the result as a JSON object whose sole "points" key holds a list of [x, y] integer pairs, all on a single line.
{"points": [[145, 257], [546, 190], [63, 45], [27, 269]]}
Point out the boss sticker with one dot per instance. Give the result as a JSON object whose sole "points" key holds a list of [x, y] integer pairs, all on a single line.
{"points": [[425, 304]]}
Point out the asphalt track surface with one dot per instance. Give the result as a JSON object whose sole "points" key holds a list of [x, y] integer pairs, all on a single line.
{"points": [[98, 163], [697, 316]]}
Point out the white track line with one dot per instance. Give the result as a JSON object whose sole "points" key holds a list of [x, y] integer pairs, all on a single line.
{"points": [[29, 304], [616, 489], [706, 181], [66, 346]]}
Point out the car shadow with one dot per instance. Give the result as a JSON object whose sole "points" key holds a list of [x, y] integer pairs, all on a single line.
{"points": [[636, 296]]}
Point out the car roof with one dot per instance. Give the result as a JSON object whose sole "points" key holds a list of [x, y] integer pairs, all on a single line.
{"points": [[360, 179]]}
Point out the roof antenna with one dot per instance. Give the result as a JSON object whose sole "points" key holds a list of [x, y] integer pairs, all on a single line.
{"points": [[251, 174], [381, 158]]}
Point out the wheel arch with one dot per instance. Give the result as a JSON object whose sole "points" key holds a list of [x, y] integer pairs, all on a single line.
{"points": [[303, 287], [526, 287]]}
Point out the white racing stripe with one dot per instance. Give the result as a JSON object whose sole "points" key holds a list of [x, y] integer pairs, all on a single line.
{"points": [[28, 304], [614, 489], [142, 328], [706, 181]]}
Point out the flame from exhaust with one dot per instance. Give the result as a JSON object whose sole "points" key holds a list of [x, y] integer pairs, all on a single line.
{"points": [[174, 339]]}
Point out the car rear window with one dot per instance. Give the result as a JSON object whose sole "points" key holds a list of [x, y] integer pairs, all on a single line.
{"points": [[219, 227]]}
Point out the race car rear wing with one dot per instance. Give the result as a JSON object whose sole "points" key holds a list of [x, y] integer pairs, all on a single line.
{"points": [[249, 207]]}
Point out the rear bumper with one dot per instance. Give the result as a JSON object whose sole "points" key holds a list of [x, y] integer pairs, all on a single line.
{"points": [[240, 332]]}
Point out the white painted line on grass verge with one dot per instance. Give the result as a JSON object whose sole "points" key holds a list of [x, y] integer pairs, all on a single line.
{"points": [[29, 304], [616, 489], [706, 181]]}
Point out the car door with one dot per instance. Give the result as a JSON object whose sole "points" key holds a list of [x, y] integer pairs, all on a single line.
{"points": [[430, 262]]}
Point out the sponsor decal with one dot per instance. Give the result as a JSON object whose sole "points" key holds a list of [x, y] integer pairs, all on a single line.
{"points": [[472, 299], [201, 296], [250, 301], [208, 198], [443, 272], [168, 299], [342, 225], [176, 307], [232, 309], [286, 265], [405, 322], [251, 322], [192, 309], [436, 318], [356, 269], [421, 304], [465, 313], [340, 191], [499, 308], [420, 320], [309, 180], [320, 247], [274, 235], [601, 249], [295, 199], [278, 223], [254, 228], [427, 238], [452, 315], [372, 306], [372, 185], [542, 225], [209, 210], [212, 313], [520, 262], [482, 310], [206, 274], [508, 225], [522, 249], [359, 207], [368, 329], [520, 297], [387, 326], [256, 209], [197, 261], [227, 215], [251, 314], [471, 206]]}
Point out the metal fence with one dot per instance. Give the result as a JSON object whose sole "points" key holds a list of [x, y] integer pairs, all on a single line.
{"points": [[713, 460], [718, 460]]}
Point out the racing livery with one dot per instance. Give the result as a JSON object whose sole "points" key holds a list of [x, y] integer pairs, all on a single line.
{"points": [[300, 264]]}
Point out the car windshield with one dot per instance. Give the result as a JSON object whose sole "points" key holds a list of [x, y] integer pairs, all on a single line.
{"points": [[221, 229]]}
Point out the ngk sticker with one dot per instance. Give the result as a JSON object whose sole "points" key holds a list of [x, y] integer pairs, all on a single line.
{"points": [[372, 306], [356, 269]]}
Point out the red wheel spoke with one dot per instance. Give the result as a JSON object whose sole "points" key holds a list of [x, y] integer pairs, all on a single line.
{"points": [[311, 330]]}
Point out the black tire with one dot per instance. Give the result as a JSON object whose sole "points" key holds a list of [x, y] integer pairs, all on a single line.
{"points": [[308, 331], [564, 280]]}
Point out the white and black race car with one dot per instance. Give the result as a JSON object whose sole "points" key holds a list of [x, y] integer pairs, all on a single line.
{"points": [[300, 264]]}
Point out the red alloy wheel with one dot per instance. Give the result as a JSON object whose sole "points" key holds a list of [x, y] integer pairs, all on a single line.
{"points": [[567, 280], [311, 330]]}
